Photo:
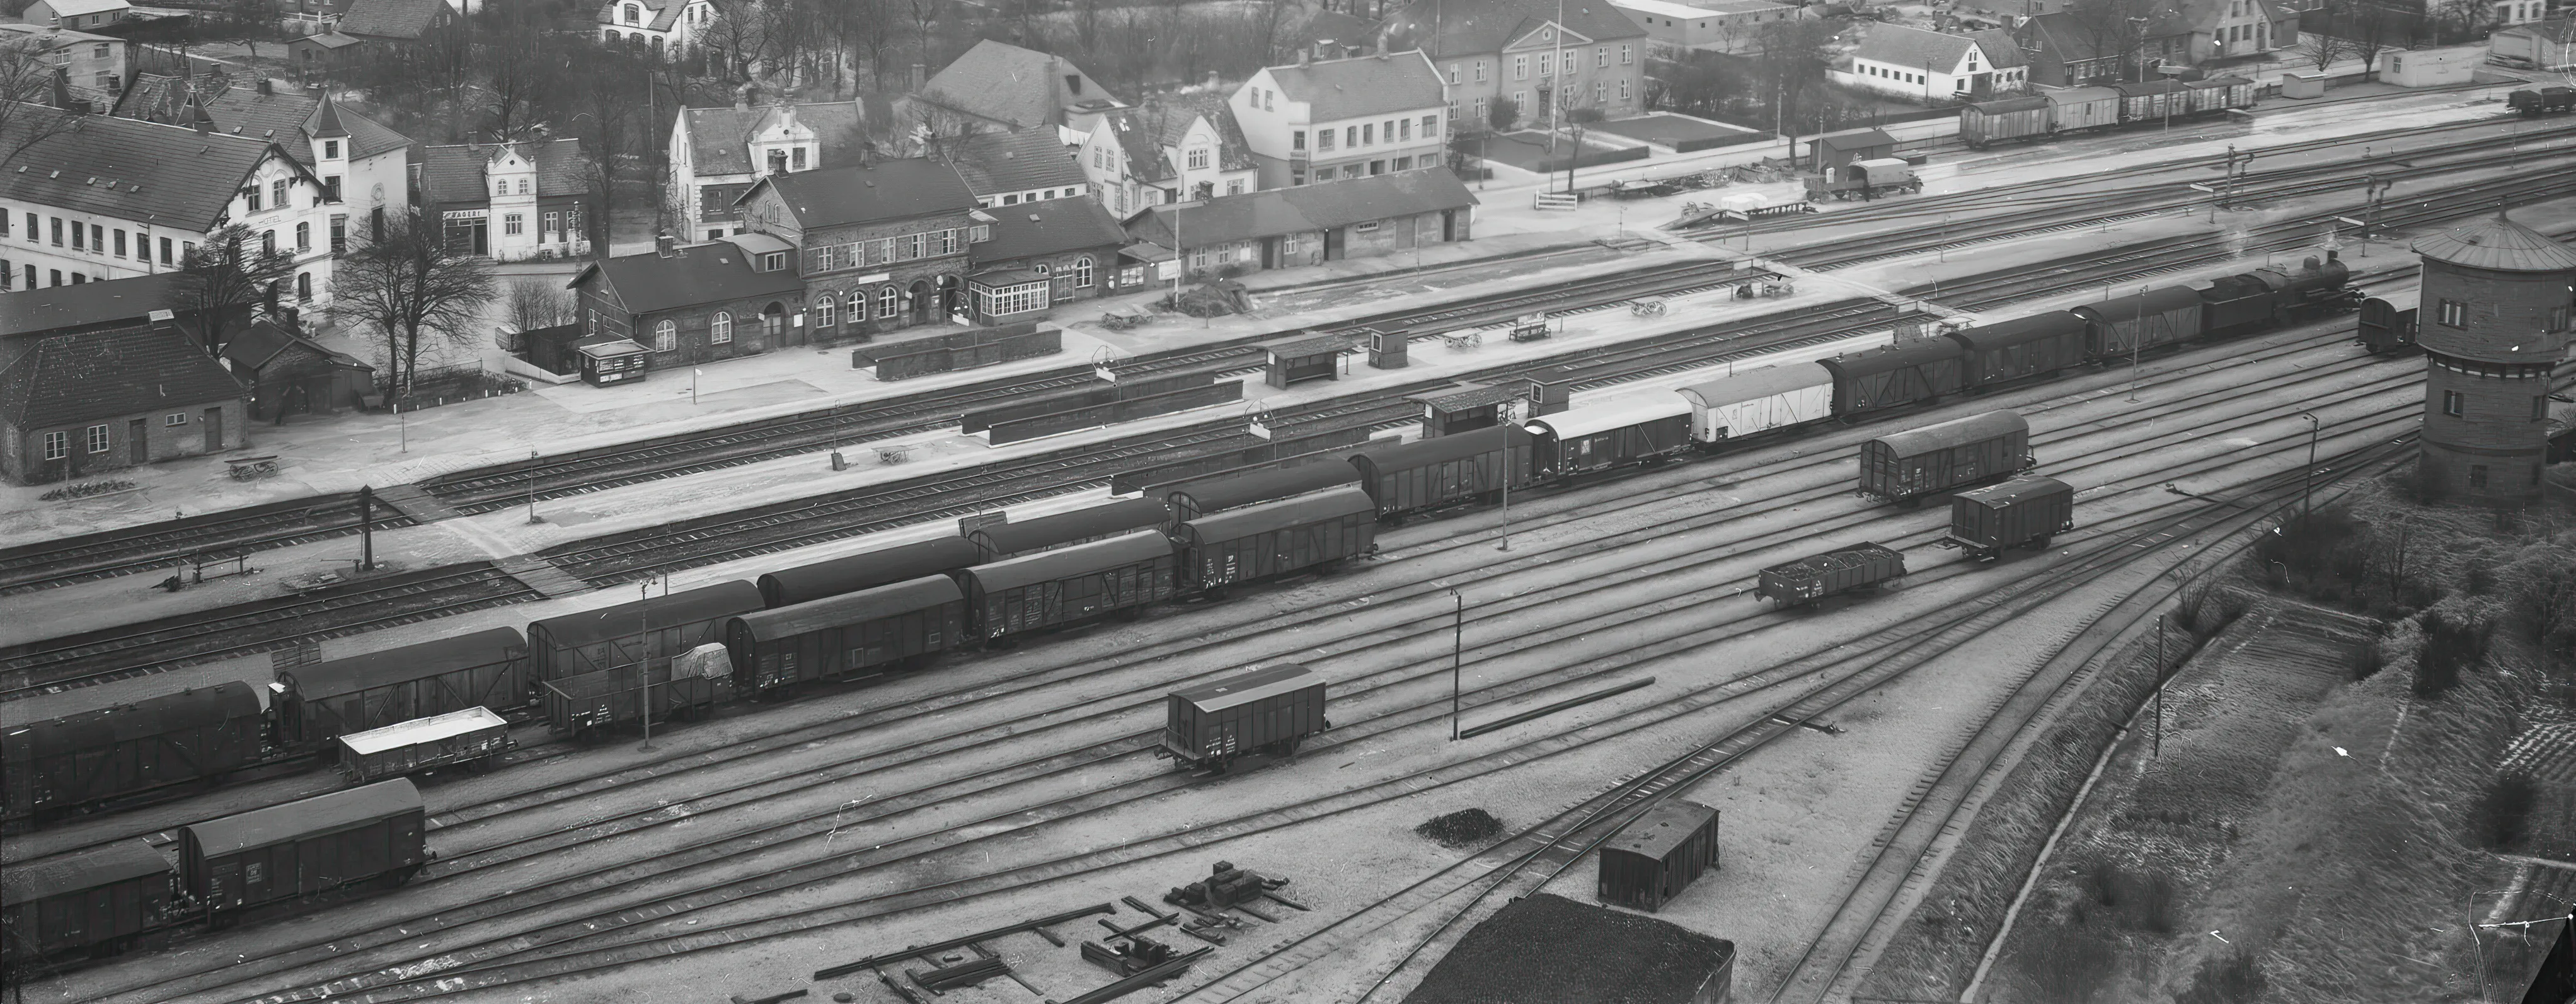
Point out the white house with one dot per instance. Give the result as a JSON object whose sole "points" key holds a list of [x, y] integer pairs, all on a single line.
{"points": [[76, 13], [717, 153], [2542, 45], [364, 167], [2507, 13], [1179, 150], [1729, 26], [672, 26], [119, 197], [94, 66], [1344, 118], [509, 201], [1913, 63]]}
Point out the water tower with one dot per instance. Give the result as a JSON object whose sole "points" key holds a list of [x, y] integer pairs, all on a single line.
{"points": [[2494, 318]]}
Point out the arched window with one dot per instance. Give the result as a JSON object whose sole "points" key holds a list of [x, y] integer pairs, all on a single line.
{"points": [[720, 329], [858, 306], [666, 336], [268, 242], [1082, 272], [304, 285], [888, 301], [303, 237], [826, 312]]}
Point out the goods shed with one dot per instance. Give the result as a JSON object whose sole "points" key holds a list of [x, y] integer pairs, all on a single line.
{"points": [[1835, 149]]}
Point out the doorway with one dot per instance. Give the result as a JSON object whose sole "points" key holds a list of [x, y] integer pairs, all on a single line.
{"points": [[921, 304], [138, 450], [214, 425], [1333, 244]]}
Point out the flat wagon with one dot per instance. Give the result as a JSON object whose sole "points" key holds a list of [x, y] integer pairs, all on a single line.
{"points": [[1841, 570], [1643, 429], [2387, 323], [1429, 474], [1658, 855], [199, 734], [2081, 108], [866, 570], [1050, 589], [1757, 401], [283, 852], [852, 635], [587, 703], [1065, 529], [1266, 711], [2036, 345], [1905, 466], [2154, 319], [474, 738], [485, 669], [96, 901], [649, 630], [2023, 512], [1894, 377], [1986, 123], [1280, 537], [1192, 499]]}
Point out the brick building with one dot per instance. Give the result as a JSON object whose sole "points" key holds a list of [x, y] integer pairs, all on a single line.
{"points": [[2495, 317], [1042, 254], [80, 405], [881, 246], [1488, 49], [1312, 224], [94, 67], [694, 304]]}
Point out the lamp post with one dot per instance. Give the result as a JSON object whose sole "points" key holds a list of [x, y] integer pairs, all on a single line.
{"points": [[533, 518], [2308, 484], [2137, 343], [644, 665], [1457, 659]]}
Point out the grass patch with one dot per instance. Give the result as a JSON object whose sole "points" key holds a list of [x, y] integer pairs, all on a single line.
{"points": [[2232, 977], [2503, 815], [1463, 829]]}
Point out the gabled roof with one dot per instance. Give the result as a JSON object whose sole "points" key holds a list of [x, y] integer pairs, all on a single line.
{"points": [[404, 19], [1301, 209], [1016, 161], [1146, 133], [266, 343], [68, 8], [1049, 226], [55, 38], [70, 379], [63, 308], [2063, 37], [719, 137], [695, 274], [1898, 45], [1470, 27], [456, 173], [332, 40], [129, 169], [2498, 244], [1339, 28], [290, 118], [1009, 84], [863, 193], [666, 13], [1385, 83], [2000, 50]]}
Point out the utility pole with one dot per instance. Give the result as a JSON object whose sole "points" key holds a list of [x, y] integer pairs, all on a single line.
{"points": [[366, 528], [2307, 487], [1457, 660], [2137, 344], [644, 665], [533, 518]]}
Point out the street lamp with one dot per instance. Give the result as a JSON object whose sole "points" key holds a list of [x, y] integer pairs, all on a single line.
{"points": [[2307, 487], [2137, 343], [1457, 659], [533, 518]]}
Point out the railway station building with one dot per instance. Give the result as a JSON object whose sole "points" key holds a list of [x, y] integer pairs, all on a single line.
{"points": [[1312, 224], [696, 303], [1043, 254], [882, 246], [81, 405], [2495, 319]]}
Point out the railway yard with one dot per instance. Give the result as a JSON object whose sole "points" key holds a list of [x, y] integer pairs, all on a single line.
{"points": [[2083, 379]]}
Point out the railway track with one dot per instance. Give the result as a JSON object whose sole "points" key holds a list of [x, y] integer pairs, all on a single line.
{"points": [[220, 535]]}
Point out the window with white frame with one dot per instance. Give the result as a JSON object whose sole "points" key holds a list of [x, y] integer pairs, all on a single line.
{"points": [[1520, 67], [1082, 272], [823, 258], [58, 445], [826, 311], [174, 420], [1019, 298], [1480, 71], [1623, 55], [98, 439], [889, 300], [720, 328], [666, 336], [1198, 158], [512, 224], [858, 304]]}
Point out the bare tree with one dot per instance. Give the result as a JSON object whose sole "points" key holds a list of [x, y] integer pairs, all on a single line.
{"points": [[2543, 596], [2323, 49], [520, 67], [536, 303], [411, 292], [2113, 28], [2373, 31], [223, 278], [26, 83]]}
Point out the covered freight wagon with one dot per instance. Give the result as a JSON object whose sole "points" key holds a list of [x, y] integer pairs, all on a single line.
{"points": [[2153, 319], [1841, 570], [2078, 108], [286, 851], [2387, 322], [485, 669], [1276, 538], [1598, 437], [1905, 466], [2216, 94], [609, 698], [866, 570], [650, 630], [96, 901], [1759, 400], [2023, 512], [1192, 499], [474, 738], [1429, 474], [1895, 376], [1658, 855], [1064, 529], [1985, 123], [851, 635], [1266, 711], [1069, 585], [89, 756], [2152, 100], [2036, 345]]}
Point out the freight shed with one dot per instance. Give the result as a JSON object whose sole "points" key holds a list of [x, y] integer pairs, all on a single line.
{"points": [[1546, 949]]}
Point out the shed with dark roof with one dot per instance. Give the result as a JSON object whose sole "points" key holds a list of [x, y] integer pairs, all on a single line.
{"points": [[30, 316], [689, 304], [78, 405], [290, 374], [1312, 224]]}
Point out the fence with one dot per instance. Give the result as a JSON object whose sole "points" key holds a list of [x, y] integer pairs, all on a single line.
{"points": [[1048, 404], [1116, 412]]}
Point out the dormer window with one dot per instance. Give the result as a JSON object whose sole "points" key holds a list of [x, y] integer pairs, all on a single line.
{"points": [[777, 161], [773, 261], [634, 14], [796, 159], [1073, 84]]}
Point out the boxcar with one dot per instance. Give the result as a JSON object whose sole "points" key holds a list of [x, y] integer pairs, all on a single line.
{"points": [[1275, 538], [866, 570], [2152, 100], [1841, 570], [2080, 108], [88, 756], [1907, 465], [644, 630], [608, 698], [1598, 437], [854, 634], [1269, 711], [96, 901], [2388, 322], [1192, 499], [2537, 101], [286, 851], [1658, 855], [1049, 589], [1894, 377], [1064, 529], [2216, 94], [2022, 347], [1987, 122], [486, 669], [1759, 400], [473, 738], [2023, 512], [1429, 474], [2165, 315]]}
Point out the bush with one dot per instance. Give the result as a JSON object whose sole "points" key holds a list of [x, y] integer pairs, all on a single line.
{"points": [[85, 489], [2070, 965], [2454, 643], [2232, 978], [2503, 813], [2142, 901], [2365, 660]]}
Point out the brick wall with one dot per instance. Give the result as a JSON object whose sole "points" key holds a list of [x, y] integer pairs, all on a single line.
{"points": [[2494, 430], [2509, 313], [22, 453]]}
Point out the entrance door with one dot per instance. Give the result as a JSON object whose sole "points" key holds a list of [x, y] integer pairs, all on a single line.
{"points": [[921, 303], [1333, 244], [1448, 224], [1269, 252], [482, 243], [138, 450], [773, 324], [214, 424]]}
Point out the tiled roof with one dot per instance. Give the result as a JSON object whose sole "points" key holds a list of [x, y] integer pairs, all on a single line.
{"points": [[719, 137], [1898, 45], [2060, 35], [2499, 244], [455, 173], [90, 303], [888, 190], [408, 19], [1017, 161], [665, 13], [1339, 28], [290, 118], [1385, 83], [1999, 48], [1471, 27], [713, 272], [128, 169], [1006, 83], [1305, 208], [267, 343], [68, 8], [70, 379], [1049, 226], [1144, 133]]}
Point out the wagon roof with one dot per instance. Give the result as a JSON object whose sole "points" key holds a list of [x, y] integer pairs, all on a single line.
{"points": [[1213, 494], [1755, 384], [691, 606], [1608, 415], [2160, 300], [851, 608], [1095, 521], [2080, 95], [2020, 329], [1662, 828], [1065, 563], [82, 872], [1278, 514], [2220, 81], [408, 662], [191, 708], [1234, 691], [1895, 357], [870, 569], [2402, 299], [421, 730], [1441, 449], [314, 816], [1974, 428], [2009, 105], [2016, 490]]}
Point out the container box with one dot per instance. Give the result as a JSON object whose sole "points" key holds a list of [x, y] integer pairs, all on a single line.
{"points": [[286, 851], [1431, 474], [1268, 711], [474, 736], [1757, 401], [1895, 376], [1806, 580], [2018, 513], [1659, 855], [1936, 458], [109, 752], [2165, 315], [1071, 584], [2021, 347], [1602, 436]]}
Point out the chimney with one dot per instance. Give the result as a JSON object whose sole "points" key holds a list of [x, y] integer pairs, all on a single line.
{"points": [[662, 243], [1307, 56], [920, 76], [1212, 80]]}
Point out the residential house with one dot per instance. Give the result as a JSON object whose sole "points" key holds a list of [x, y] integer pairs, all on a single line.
{"points": [[716, 153], [1041, 254], [2543, 45], [692, 304], [80, 405], [2507, 13], [94, 67], [882, 246], [119, 197], [665, 26], [289, 374], [1336, 34], [1928, 65], [1515, 49], [1183, 148], [1311, 224], [2064, 50], [76, 13], [1734, 27], [1023, 165], [996, 85], [1343, 118], [311, 17], [509, 201], [323, 56], [400, 23], [364, 166], [34, 315], [2194, 32]]}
